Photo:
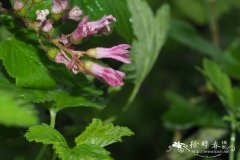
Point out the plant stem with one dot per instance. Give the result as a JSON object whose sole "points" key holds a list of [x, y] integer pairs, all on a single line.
{"points": [[53, 114], [232, 139], [213, 25], [52, 117]]}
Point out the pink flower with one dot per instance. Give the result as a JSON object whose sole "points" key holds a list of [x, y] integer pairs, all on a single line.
{"points": [[42, 15], [86, 28], [62, 58], [64, 40], [18, 5], [120, 53], [108, 75], [58, 6], [72, 64], [47, 27], [75, 13]]}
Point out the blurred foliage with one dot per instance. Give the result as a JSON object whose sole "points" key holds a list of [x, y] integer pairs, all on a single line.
{"points": [[187, 91]]}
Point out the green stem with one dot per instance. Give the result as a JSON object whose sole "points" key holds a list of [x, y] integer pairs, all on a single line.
{"points": [[53, 114], [213, 24], [232, 139]]}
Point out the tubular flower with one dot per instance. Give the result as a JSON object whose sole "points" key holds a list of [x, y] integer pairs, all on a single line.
{"points": [[75, 13], [18, 5], [42, 15], [119, 52], [86, 28], [59, 6], [108, 75]]}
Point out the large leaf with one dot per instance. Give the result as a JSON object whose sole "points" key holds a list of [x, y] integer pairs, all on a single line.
{"points": [[118, 8], [101, 134], [22, 62], [60, 98], [150, 32], [15, 111]]}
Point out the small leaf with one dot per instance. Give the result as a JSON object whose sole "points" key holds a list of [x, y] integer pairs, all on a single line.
{"points": [[22, 63], [16, 112], [44, 134], [48, 135], [101, 134], [219, 80]]}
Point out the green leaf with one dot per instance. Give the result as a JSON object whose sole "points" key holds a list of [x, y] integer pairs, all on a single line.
{"points": [[16, 112], [198, 12], [186, 34], [182, 114], [89, 152], [60, 98], [44, 134], [22, 62], [101, 134], [98, 8], [4, 33], [219, 80], [45, 4], [48, 135], [89, 146], [151, 32]]}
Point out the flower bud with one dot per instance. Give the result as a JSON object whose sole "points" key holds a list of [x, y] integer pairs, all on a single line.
{"points": [[18, 5], [52, 53], [119, 53], [75, 13], [107, 75], [47, 27]]}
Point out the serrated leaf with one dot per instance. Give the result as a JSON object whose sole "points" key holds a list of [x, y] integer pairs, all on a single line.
{"points": [[22, 62], [219, 80], [151, 32], [15, 111], [101, 134], [84, 149], [44, 134], [48, 135], [89, 152], [98, 8]]}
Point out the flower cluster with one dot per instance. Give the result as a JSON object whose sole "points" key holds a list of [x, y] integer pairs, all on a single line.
{"points": [[64, 45]]}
